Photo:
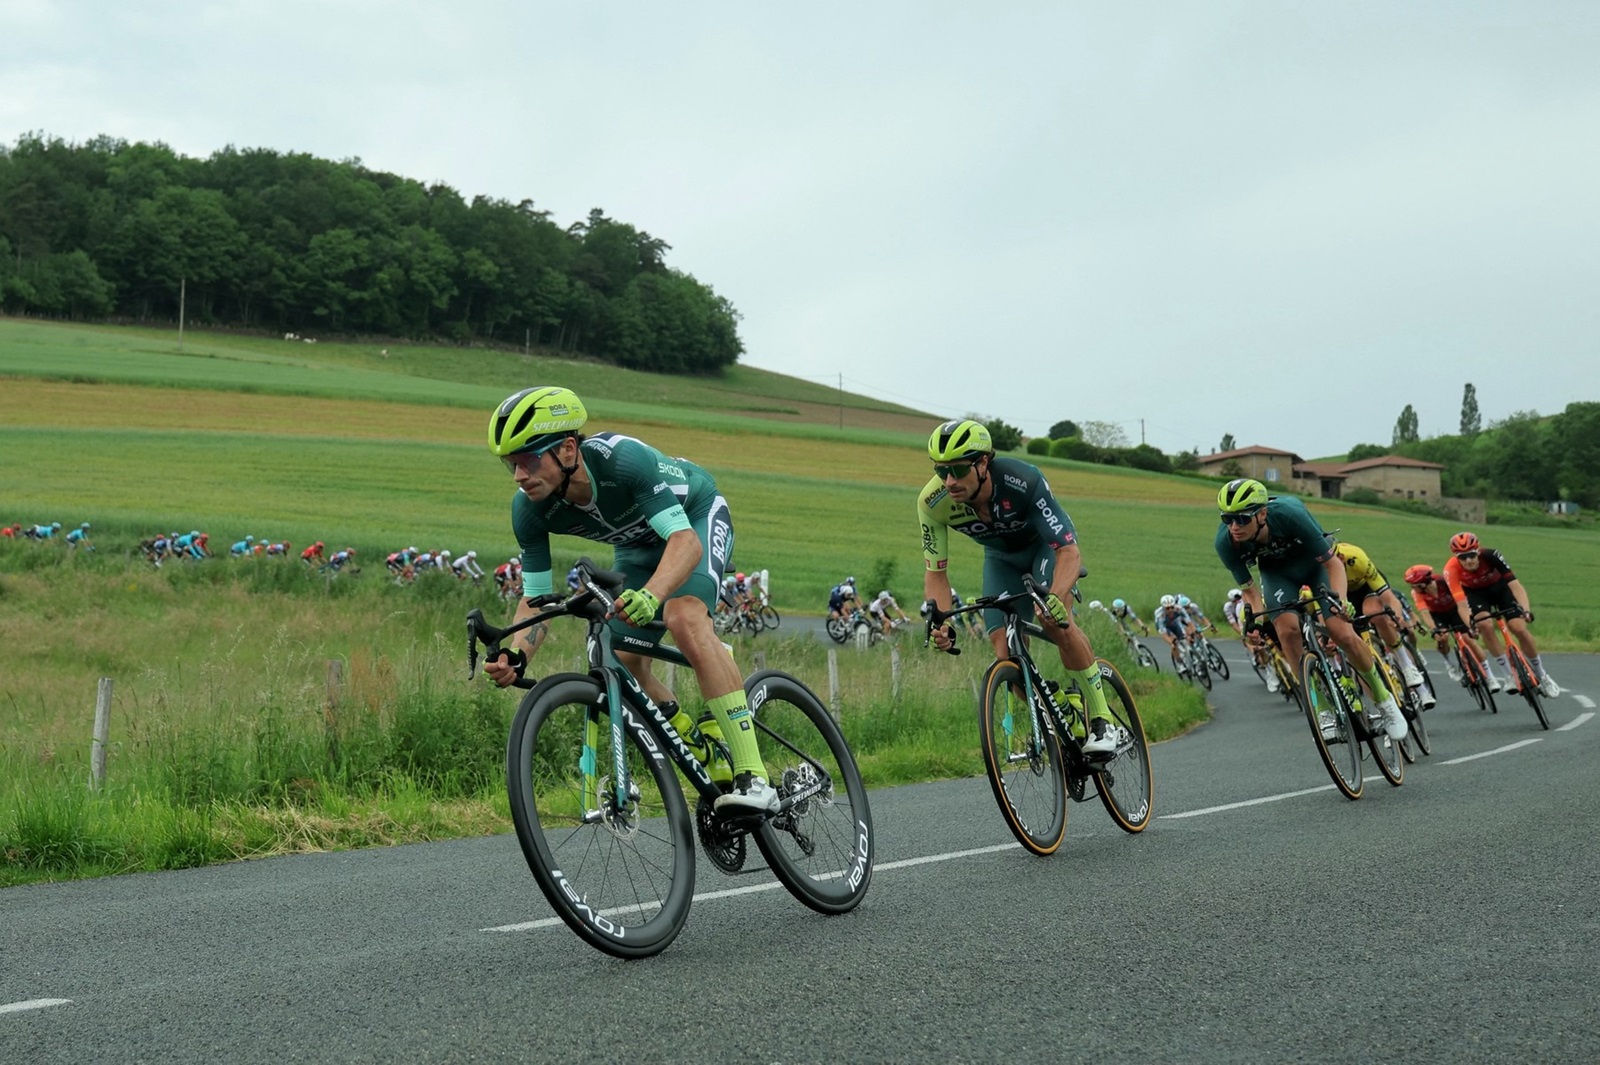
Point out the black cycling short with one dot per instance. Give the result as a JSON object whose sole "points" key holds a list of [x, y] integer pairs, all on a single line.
{"points": [[1495, 597]]}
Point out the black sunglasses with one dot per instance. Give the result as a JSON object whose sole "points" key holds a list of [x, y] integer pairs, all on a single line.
{"points": [[957, 470], [1468, 556], [1240, 519]]}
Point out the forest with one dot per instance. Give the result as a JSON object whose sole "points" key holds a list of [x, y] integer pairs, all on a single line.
{"points": [[262, 240]]}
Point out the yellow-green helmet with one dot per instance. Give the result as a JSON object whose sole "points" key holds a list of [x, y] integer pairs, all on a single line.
{"points": [[1241, 494], [535, 419], [959, 439]]}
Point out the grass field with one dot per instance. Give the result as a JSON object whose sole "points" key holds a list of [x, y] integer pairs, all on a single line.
{"points": [[225, 736]]}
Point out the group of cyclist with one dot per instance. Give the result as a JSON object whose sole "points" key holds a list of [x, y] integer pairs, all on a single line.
{"points": [[408, 563], [843, 603], [74, 538]]}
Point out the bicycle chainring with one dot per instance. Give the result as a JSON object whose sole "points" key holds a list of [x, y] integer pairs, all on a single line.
{"points": [[725, 849]]}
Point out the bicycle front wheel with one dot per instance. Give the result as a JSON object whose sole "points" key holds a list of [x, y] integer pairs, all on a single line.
{"points": [[1215, 661], [621, 875], [1147, 658], [1125, 782], [769, 617], [1198, 668], [1523, 672], [821, 848], [1329, 716], [838, 630], [1023, 756]]}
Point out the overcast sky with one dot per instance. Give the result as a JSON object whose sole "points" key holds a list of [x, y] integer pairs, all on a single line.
{"points": [[1283, 221]]}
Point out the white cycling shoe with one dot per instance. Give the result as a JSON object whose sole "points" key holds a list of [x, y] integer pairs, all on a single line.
{"points": [[750, 793], [1394, 722]]}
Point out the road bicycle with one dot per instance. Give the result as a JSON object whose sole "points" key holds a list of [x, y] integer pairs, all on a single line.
{"points": [[1215, 663], [605, 825], [1031, 729], [1332, 701], [1474, 676], [1189, 661], [1408, 698], [1139, 652], [1524, 681]]}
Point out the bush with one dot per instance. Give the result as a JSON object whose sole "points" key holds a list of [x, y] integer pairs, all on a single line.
{"points": [[1076, 448], [1039, 445], [1365, 496]]}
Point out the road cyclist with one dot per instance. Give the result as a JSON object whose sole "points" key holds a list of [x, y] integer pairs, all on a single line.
{"points": [[1043, 740], [1369, 593], [1483, 582], [1436, 602], [1006, 505], [1174, 625], [1123, 617], [1285, 542]]}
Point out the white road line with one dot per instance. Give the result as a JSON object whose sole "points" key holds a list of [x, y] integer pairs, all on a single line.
{"points": [[1497, 750], [1248, 802], [1575, 722], [769, 885], [34, 1004], [1584, 701]]}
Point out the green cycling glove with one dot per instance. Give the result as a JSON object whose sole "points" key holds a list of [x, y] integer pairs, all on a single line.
{"points": [[638, 605], [1059, 613]]}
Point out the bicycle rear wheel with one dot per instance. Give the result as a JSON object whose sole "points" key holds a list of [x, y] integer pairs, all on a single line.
{"points": [[622, 878], [820, 848], [1146, 657], [1338, 751], [1023, 756], [1417, 728], [1125, 782], [1198, 668]]}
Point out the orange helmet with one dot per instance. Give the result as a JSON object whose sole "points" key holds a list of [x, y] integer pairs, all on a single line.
{"points": [[1419, 574], [1463, 541]]}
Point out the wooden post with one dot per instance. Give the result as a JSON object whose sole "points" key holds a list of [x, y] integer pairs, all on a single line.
{"points": [[760, 658], [833, 682], [894, 674], [102, 730], [335, 682]]}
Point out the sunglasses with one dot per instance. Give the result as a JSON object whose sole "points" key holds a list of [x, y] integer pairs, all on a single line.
{"points": [[1467, 556], [1240, 519], [957, 470], [528, 460]]}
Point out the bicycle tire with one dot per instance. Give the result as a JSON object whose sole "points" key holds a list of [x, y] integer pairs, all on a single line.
{"points": [[1125, 782], [1403, 697], [1198, 668], [1530, 687], [1387, 753], [770, 618], [1340, 755], [1023, 760], [838, 630], [1215, 662], [821, 849], [1147, 657], [598, 875]]}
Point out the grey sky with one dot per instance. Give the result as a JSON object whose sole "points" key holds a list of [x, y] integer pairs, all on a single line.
{"points": [[1279, 220]]}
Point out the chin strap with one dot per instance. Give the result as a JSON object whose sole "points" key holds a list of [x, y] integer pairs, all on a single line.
{"points": [[566, 476]]}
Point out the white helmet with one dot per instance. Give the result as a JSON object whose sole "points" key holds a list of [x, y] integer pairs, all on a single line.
{"points": [[1095, 604], [512, 560], [413, 550], [472, 554], [444, 554], [1169, 600], [1234, 593]]}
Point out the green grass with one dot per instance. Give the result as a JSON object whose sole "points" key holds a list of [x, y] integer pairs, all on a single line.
{"points": [[225, 741]]}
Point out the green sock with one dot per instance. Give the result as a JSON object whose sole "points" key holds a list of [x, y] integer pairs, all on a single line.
{"points": [[1094, 696], [1374, 682], [739, 729]]}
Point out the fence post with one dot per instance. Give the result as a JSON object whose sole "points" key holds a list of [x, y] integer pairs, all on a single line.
{"points": [[833, 682], [760, 658], [102, 730], [335, 682], [894, 674]]}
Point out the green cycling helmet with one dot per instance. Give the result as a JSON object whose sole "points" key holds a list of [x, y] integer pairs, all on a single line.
{"points": [[535, 419], [959, 439], [1241, 494]]}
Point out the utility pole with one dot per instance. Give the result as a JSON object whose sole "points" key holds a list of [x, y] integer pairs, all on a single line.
{"points": [[841, 401], [1141, 432], [183, 292]]}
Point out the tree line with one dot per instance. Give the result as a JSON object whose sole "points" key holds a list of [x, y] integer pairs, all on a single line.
{"points": [[288, 242]]}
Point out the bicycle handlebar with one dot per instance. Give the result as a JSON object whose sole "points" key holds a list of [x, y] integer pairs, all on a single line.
{"points": [[598, 589]]}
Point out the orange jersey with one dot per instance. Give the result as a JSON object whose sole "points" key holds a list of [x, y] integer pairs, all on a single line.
{"points": [[1434, 597], [1492, 569]]}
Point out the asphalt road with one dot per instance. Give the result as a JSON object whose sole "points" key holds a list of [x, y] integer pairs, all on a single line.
{"points": [[1260, 918]]}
